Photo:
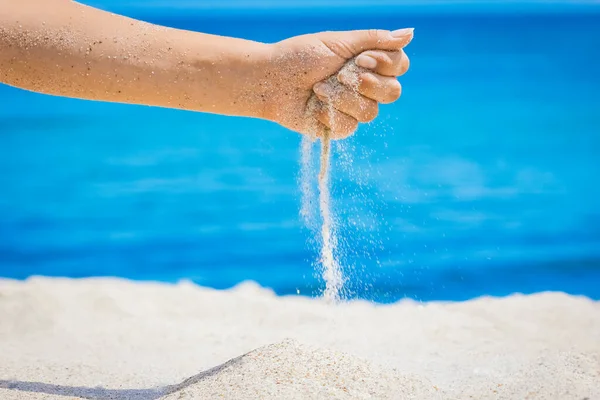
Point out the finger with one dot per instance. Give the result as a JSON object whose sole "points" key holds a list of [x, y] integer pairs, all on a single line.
{"points": [[382, 89], [347, 100], [341, 125], [387, 63], [351, 43]]}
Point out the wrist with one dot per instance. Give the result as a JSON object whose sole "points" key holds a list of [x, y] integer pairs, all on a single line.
{"points": [[254, 80], [230, 76]]}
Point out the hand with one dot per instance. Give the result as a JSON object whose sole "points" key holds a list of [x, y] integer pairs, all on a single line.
{"points": [[299, 83], [299, 69]]}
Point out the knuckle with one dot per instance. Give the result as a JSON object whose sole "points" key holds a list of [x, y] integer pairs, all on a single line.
{"points": [[379, 36], [374, 33], [340, 47]]}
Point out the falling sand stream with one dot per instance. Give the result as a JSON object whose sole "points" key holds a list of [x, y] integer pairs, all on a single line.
{"points": [[332, 272], [330, 266]]}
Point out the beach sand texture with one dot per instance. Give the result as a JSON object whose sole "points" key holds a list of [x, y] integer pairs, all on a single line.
{"points": [[115, 339]]}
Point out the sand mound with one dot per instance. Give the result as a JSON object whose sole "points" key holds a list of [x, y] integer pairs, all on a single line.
{"points": [[290, 370], [110, 339]]}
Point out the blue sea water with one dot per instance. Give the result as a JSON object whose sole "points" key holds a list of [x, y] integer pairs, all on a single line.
{"points": [[482, 180]]}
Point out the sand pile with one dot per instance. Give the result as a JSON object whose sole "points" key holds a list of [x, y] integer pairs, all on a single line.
{"points": [[290, 370], [110, 339]]}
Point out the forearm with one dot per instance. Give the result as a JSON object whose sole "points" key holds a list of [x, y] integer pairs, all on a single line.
{"points": [[63, 48]]}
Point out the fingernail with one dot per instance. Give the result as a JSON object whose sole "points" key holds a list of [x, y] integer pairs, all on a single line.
{"points": [[402, 32], [366, 62], [320, 89]]}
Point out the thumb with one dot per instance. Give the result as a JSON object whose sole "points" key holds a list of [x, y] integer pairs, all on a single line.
{"points": [[351, 43]]}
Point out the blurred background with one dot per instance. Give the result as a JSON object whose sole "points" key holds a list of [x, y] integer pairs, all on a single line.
{"points": [[482, 180]]}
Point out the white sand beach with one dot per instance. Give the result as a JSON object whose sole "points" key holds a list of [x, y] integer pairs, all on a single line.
{"points": [[115, 339]]}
